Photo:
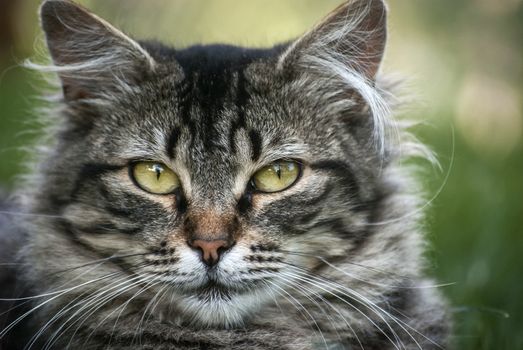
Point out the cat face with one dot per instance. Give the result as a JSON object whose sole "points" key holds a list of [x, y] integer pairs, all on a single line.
{"points": [[215, 173]]}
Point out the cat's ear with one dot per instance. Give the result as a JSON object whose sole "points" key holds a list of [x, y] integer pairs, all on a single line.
{"points": [[353, 34], [90, 55]]}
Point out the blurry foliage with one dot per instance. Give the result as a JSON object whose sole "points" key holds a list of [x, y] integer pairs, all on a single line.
{"points": [[465, 63]]}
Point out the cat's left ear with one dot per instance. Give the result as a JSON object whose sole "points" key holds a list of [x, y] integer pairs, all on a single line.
{"points": [[90, 55], [354, 34]]}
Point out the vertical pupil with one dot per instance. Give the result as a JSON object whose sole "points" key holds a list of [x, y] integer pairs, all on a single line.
{"points": [[158, 170], [277, 167]]}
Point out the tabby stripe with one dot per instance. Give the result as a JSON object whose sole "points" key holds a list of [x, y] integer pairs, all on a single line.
{"points": [[92, 171], [118, 205], [374, 210], [152, 340], [242, 98], [242, 95], [71, 231], [245, 203], [306, 219], [107, 228], [181, 201], [185, 105], [56, 202], [120, 212], [213, 87], [320, 198], [294, 230], [108, 199], [256, 144], [341, 170], [337, 226], [172, 141]]}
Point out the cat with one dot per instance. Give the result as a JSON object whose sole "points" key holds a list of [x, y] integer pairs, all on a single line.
{"points": [[220, 197]]}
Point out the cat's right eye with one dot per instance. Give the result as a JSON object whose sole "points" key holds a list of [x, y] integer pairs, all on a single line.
{"points": [[154, 177]]}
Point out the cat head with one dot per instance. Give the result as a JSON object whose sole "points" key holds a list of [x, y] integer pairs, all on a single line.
{"points": [[215, 172]]}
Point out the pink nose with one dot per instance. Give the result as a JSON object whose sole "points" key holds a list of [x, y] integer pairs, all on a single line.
{"points": [[210, 250]]}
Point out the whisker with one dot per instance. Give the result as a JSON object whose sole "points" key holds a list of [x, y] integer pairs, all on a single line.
{"points": [[161, 294], [91, 303], [49, 216], [300, 289], [140, 323], [370, 268], [97, 304], [374, 307], [155, 281], [59, 293], [323, 300], [20, 318], [61, 312], [110, 258], [314, 283], [422, 208], [98, 262], [269, 290], [326, 262], [303, 308], [402, 324]]}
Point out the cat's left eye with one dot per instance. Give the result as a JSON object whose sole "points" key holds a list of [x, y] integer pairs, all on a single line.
{"points": [[154, 177], [276, 176]]}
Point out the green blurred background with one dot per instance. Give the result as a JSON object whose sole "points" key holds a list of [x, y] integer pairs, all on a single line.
{"points": [[463, 61]]}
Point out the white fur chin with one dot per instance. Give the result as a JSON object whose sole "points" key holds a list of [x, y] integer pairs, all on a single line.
{"points": [[219, 312]]}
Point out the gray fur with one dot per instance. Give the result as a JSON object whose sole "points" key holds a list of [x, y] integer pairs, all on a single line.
{"points": [[335, 261]]}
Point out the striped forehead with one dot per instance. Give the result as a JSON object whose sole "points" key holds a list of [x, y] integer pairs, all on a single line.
{"points": [[215, 113], [210, 118], [211, 107], [211, 135], [212, 100]]}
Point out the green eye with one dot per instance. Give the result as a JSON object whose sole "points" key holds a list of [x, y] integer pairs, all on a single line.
{"points": [[154, 177], [277, 176]]}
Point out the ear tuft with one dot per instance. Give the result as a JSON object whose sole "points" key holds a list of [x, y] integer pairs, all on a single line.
{"points": [[354, 33], [342, 55], [88, 53]]}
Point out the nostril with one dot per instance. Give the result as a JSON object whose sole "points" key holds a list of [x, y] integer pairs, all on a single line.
{"points": [[210, 250], [222, 250], [195, 247]]}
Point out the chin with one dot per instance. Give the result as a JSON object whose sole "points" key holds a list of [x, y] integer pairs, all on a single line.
{"points": [[218, 307]]}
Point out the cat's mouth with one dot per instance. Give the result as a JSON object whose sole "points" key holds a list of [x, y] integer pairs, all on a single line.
{"points": [[215, 299], [214, 304], [215, 290]]}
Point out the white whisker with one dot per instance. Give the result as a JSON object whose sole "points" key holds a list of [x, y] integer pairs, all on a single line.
{"points": [[373, 306], [68, 307], [293, 301], [39, 306], [305, 277], [333, 307]]}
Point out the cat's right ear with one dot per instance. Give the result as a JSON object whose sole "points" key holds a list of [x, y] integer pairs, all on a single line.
{"points": [[90, 56], [353, 36]]}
